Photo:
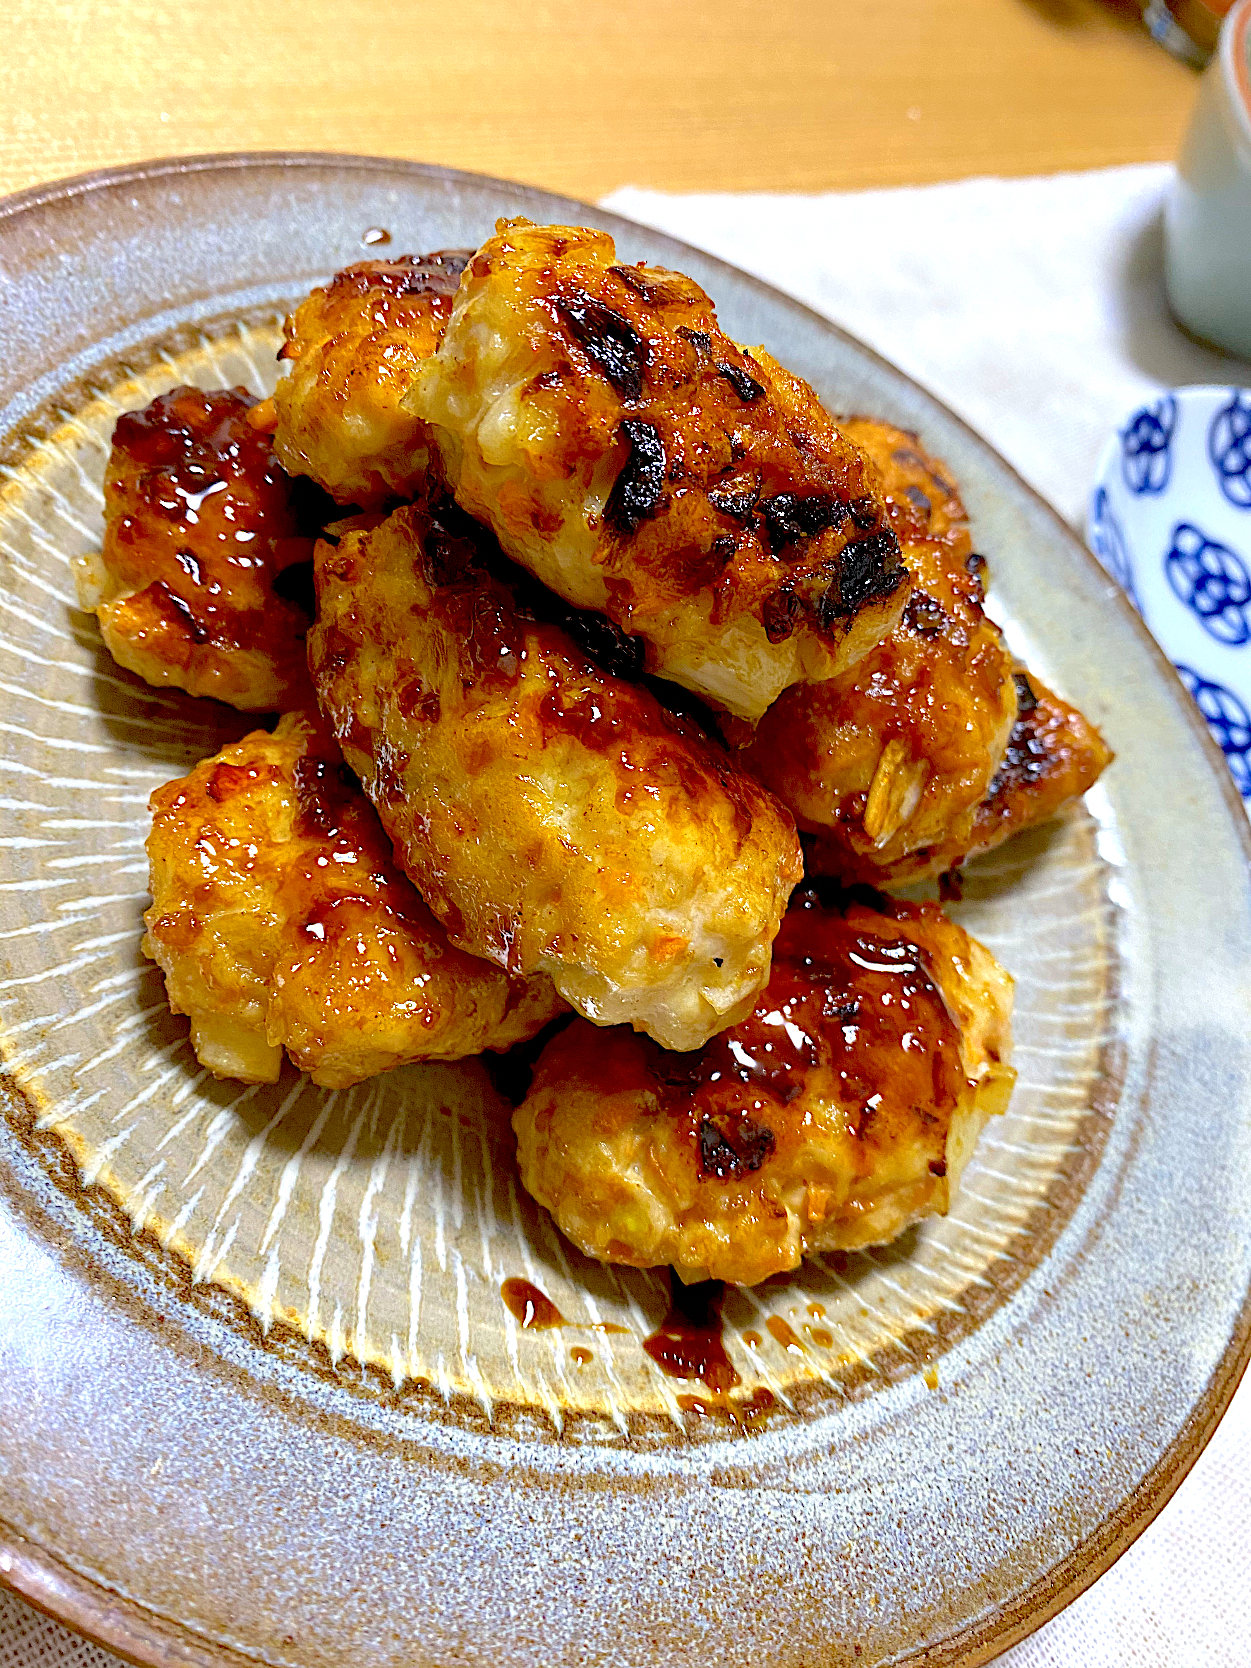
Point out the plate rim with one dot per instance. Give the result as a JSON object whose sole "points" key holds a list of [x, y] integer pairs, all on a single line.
{"points": [[125, 1627]]}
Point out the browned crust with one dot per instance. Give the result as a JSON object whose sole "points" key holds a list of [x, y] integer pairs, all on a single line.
{"points": [[730, 478], [924, 716], [280, 915]]}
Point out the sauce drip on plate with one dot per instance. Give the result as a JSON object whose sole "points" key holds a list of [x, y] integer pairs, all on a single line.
{"points": [[535, 1312]]}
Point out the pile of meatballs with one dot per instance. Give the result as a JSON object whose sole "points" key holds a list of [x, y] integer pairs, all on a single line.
{"points": [[617, 683]]}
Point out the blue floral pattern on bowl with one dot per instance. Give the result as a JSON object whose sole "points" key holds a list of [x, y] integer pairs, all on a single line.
{"points": [[1146, 446], [1229, 448], [1170, 520], [1212, 580], [1228, 720], [1108, 543]]}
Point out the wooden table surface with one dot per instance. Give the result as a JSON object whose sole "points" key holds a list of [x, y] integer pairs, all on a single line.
{"points": [[584, 95]]}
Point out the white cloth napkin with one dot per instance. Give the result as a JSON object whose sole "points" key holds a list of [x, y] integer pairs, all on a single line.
{"points": [[1034, 308]]}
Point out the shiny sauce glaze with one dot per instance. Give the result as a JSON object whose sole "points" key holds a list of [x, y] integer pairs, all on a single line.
{"points": [[409, 300], [337, 875], [844, 1000], [202, 519], [502, 622], [534, 1311], [432, 275], [350, 913], [689, 1344], [344, 852], [351, 908], [782, 1332]]}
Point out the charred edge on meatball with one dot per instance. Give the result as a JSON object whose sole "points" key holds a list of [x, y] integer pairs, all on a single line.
{"points": [[636, 493], [607, 338], [789, 518], [435, 274], [1028, 756], [867, 569], [745, 386], [700, 340], [728, 1146], [739, 505], [734, 1149]]}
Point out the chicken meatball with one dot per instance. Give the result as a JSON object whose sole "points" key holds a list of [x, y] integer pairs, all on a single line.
{"points": [[640, 463], [1053, 755], [839, 1112], [200, 525], [556, 818], [353, 347], [280, 921], [898, 753]]}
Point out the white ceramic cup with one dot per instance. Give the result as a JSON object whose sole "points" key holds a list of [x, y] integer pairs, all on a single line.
{"points": [[1207, 218]]}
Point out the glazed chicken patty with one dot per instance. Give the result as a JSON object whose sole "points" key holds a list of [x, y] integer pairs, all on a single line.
{"points": [[1054, 754], [640, 463], [280, 921], [353, 348], [898, 753], [556, 818], [839, 1112], [201, 524]]}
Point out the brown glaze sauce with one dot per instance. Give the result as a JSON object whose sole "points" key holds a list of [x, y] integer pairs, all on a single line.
{"points": [[345, 843], [200, 512], [688, 1344], [744, 1411], [534, 1311], [785, 1334], [435, 276], [839, 999]]}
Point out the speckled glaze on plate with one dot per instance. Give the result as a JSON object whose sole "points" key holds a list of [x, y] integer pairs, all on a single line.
{"points": [[259, 1396]]}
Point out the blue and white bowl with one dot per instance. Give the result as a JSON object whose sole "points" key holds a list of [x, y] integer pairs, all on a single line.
{"points": [[1170, 519]]}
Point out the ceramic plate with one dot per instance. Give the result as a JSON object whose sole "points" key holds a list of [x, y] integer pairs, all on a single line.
{"points": [[260, 1397]]}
